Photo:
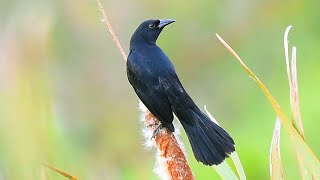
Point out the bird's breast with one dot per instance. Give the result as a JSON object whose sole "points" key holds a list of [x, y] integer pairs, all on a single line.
{"points": [[150, 61]]}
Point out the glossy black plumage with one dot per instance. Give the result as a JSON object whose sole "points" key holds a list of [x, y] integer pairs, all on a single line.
{"points": [[153, 77]]}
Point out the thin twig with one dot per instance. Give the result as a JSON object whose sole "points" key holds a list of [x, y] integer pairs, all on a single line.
{"points": [[113, 34]]}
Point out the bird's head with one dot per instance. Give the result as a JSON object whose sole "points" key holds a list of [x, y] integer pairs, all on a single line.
{"points": [[149, 30]]}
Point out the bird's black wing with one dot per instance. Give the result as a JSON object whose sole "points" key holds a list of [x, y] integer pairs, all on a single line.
{"points": [[149, 90]]}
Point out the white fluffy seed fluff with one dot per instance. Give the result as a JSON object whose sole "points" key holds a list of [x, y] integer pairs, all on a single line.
{"points": [[161, 167]]}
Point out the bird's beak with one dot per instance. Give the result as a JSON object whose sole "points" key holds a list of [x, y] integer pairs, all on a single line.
{"points": [[164, 22]]}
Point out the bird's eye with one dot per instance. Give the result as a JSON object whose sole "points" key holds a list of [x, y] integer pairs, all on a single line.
{"points": [[151, 26]]}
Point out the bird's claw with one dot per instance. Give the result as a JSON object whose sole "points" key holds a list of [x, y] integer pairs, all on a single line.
{"points": [[157, 130], [150, 125]]}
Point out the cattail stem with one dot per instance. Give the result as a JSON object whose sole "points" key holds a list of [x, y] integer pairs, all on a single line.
{"points": [[172, 162]]}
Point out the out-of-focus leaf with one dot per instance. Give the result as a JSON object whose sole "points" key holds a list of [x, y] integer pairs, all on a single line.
{"points": [[237, 163], [60, 172], [276, 171], [293, 83], [294, 98], [310, 160], [295, 107], [224, 170]]}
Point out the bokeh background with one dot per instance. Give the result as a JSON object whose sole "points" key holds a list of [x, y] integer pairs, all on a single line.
{"points": [[65, 99]]}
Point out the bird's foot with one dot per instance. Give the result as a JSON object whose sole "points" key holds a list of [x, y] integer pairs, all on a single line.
{"points": [[157, 130], [155, 124]]}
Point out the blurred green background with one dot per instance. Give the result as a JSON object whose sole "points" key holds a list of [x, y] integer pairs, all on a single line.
{"points": [[65, 99]]}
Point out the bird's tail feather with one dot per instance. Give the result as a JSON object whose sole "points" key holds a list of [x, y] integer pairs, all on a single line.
{"points": [[210, 143]]}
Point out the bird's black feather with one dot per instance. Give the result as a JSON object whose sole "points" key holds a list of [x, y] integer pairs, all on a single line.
{"points": [[153, 77]]}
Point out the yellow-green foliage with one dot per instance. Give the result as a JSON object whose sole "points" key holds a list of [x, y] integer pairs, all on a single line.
{"points": [[65, 99]]}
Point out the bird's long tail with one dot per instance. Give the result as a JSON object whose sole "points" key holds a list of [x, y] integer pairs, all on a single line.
{"points": [[210, 143]]}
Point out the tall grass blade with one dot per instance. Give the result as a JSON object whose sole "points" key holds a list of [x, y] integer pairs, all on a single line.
{"points": [[293, 83], [276, 170], [311, 161], [295, 107], [225, 168], [294, 98], [236, 160], [225, 171]]}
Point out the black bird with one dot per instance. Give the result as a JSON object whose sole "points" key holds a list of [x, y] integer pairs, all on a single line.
{"points": [[154, 79]]}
